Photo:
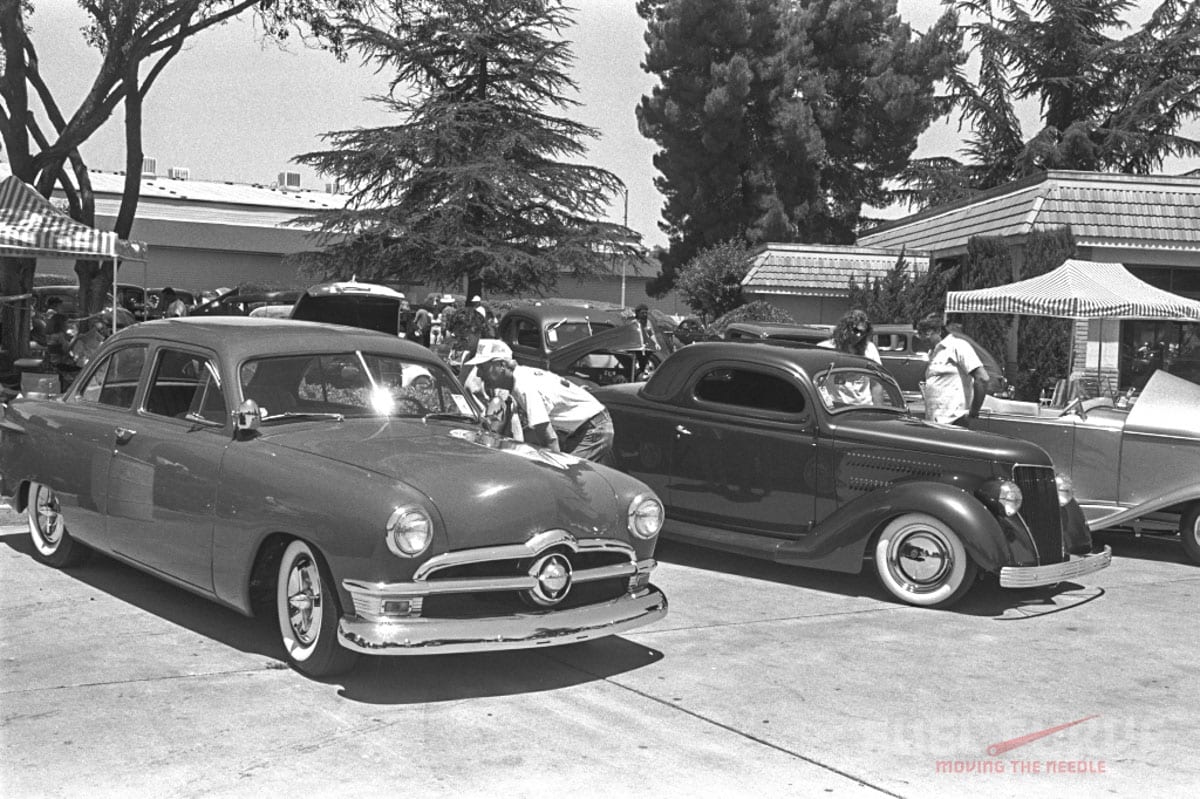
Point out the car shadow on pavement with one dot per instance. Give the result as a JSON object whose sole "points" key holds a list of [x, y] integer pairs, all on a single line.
{"points": [[374, 680], [164, 600], [985, 599], [1158, 548]]}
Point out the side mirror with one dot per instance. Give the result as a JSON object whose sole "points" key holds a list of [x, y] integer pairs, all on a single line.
{"points": [[247, 417]]}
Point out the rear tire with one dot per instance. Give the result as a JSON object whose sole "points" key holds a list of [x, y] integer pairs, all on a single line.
{"points": [[1189, 531], [921, 561], [52, 544], [307, 610]]}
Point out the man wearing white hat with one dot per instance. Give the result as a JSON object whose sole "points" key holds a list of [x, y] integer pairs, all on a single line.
{"points": [[554, 412]]}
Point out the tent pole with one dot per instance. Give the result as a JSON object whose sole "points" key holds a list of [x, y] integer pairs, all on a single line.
{"points": [[116, 264]]}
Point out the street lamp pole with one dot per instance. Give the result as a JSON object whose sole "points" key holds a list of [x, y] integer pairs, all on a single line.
{"points": [[624, 260]]}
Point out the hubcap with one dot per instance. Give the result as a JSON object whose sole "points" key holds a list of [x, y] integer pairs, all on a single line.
{"points": [[304, 600], [922, 559], [49, 518]]}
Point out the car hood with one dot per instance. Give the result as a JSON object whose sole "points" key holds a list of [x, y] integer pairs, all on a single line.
{"points": [[625, 338], [942, 441], [488, 490], [1167, 405]]}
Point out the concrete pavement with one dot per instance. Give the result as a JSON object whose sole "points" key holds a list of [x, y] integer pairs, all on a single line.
{"points": [[762, 681]]}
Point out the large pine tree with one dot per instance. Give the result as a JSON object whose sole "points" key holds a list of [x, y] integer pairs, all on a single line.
{"points": [[778, 120], [1108, 103], [478, 180]]}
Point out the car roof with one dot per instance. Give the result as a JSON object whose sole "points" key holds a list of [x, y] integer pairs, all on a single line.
{"points": [[668, 379], [242, 337], [782, 329], [572, 313]]}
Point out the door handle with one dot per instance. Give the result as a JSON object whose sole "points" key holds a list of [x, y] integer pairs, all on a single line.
{"points": [[680, 430], [124, 434]]}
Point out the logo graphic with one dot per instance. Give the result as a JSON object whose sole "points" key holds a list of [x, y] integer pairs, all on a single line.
{"points": [[1005, 746]]}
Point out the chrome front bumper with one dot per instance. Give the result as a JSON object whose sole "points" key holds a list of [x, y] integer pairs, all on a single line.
{"points": [[1033, 576], [429, 636]]}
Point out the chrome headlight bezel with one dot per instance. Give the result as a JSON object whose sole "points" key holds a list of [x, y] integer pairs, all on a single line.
{"points": [[409, 531], [1066, 489], [646, 516], [1002, 495]]}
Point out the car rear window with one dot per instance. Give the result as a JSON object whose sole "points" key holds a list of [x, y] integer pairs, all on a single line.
{"points": [[371, 313]]}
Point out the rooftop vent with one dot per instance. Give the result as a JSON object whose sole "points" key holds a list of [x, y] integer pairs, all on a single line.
{"points": [[178, 172], [289, 180], [149, 167]]}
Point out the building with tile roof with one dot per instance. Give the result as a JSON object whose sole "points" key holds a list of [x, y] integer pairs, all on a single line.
{"points": [[811, 282]]}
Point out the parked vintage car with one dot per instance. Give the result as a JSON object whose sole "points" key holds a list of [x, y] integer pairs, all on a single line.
{"points": [[335, 479], [1132, 467], [242, 302], [810, 457], [903, 354], [348, 302], [534, 332]]}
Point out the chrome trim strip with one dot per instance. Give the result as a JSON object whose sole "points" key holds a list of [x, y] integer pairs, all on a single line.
{"points": [[419, 636], [1033, 576], [531, 548]]}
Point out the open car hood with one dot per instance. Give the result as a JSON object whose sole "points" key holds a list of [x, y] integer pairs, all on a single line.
{"points": [[624, 338]]}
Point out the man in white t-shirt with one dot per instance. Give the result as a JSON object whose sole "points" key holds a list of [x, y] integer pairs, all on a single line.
{"points": [[955, 380], [554, 412]]}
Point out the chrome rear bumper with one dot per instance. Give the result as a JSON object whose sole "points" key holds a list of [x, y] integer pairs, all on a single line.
{"points": [[430, 636], [1033, 576]]}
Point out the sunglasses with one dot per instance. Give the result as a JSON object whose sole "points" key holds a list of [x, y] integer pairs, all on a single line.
{"points": [[862, 331]]}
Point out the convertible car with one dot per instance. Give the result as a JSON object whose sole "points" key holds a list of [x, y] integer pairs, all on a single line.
{"points": [[1133, 467], [334, 479], [810, 457]]}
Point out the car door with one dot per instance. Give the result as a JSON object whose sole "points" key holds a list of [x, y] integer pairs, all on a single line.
{"points": [[80, 434], [523, 335], [905, 356], [163, 479], [742, 449]]}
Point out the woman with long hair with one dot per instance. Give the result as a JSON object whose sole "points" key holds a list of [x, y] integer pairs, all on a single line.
{"points": [[853, 335]]}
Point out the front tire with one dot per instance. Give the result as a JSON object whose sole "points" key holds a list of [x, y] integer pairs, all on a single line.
{"points": [[307, 610], [922, 562], [1189, 531], [52, 543]]}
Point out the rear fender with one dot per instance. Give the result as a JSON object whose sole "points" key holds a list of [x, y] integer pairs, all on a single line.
{"points": [[840, 541]]}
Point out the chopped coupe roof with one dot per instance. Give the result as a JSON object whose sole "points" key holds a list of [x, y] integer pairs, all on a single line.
{"points": [[242, 337], [568, 312]]}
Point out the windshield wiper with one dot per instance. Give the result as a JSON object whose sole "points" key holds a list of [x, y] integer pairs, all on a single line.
{"points": [[454, 417], [305, 415]]}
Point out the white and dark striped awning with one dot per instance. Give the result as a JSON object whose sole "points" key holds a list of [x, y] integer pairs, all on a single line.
{"points": [[30, 226], [1078, 290]]}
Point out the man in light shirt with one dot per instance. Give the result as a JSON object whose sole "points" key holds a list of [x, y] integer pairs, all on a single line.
{"points": [[955, 380], [554, 412]]}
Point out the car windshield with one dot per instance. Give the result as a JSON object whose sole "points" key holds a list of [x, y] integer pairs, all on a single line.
{"points": [[563, 333], [350, 384], [858, 389]]}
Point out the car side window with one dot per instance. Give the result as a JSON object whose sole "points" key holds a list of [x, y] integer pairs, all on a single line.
{"points": [[114, 382], [178, 377], [745, 388], [526, 334]]}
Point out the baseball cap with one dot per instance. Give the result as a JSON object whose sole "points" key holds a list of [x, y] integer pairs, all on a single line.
{"points": [[490, 349]]}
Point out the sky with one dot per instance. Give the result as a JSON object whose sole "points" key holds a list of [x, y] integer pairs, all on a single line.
{"points": [[233, 107]]}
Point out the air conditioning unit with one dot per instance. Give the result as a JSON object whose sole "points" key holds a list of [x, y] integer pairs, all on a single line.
{"points": [[289, 180], [149, 167], [178, 172]]}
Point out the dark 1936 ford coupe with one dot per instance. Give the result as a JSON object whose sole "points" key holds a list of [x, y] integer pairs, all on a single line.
{"points": [[809, 457], [335, 479]]}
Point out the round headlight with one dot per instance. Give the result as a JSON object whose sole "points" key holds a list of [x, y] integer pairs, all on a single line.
{"points": [[1004, 495], [409, 531], [1066, 489], [646, 516]]}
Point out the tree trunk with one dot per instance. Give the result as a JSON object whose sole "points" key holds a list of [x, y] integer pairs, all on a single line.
{"points": [[16, 277]]}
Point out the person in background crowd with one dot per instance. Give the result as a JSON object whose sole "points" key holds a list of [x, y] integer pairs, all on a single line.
{"points": [[852, 334], [57, 342], [92, 333], [419, 326], [955, 380], [650, 341], [553, 412], [171, 304]]}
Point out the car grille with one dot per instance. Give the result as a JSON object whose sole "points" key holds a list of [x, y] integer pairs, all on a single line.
{"points": [[1040, 511]]}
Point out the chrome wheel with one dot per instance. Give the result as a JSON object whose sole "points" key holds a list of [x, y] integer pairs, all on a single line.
{"points": [[52, 543], [307, 611], [922, 561]]}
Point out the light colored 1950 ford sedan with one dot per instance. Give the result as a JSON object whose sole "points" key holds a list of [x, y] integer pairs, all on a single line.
{"points": [[335, 479], [1137, 467]]}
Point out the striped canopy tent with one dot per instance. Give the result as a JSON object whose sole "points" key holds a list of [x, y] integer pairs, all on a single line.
{"points": [[31, 227], [1078, 290]]}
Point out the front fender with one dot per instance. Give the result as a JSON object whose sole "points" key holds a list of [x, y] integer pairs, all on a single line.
{"points": [[840, 540]]}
